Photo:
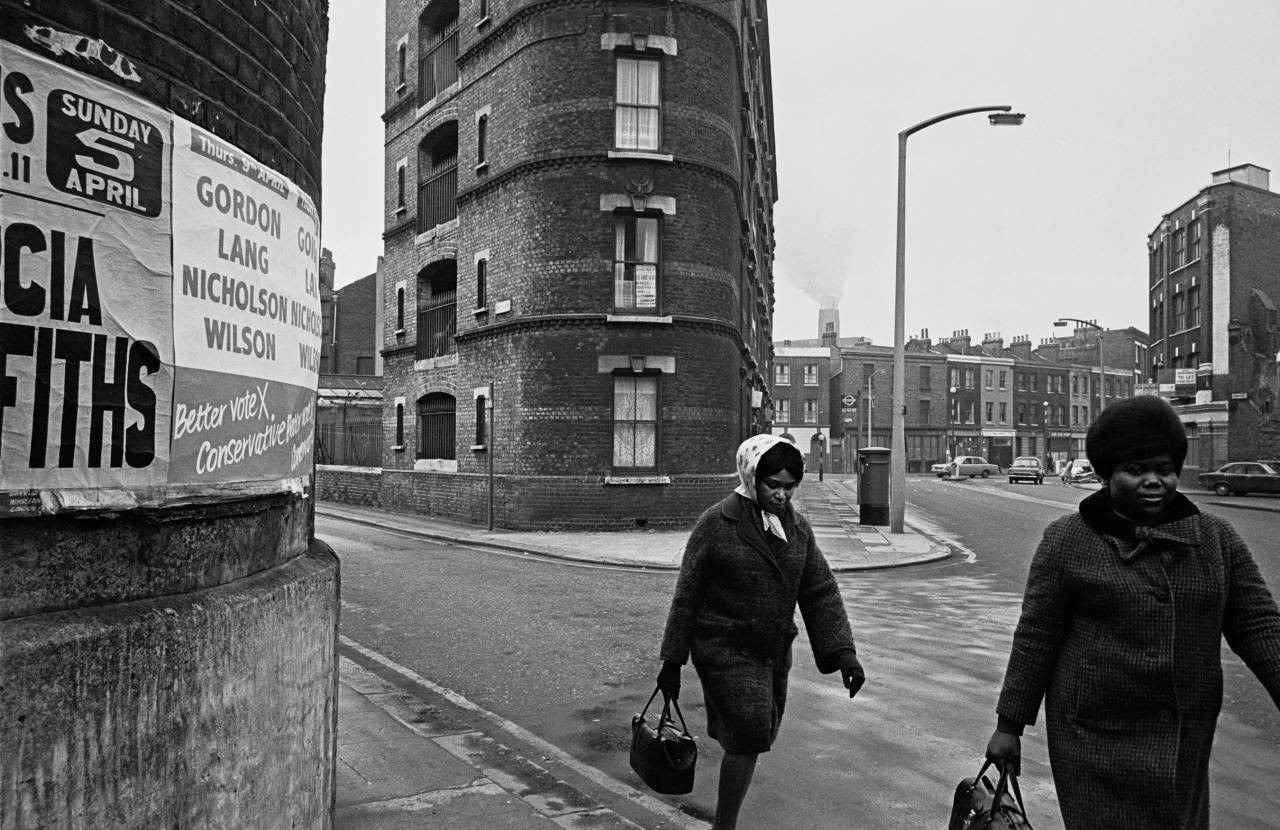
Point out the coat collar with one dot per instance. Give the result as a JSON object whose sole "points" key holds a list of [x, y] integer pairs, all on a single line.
{"points": [[737, 509], [1177, 526]]}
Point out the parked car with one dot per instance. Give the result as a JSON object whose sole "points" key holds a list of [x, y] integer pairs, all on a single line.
{"points": [[1026, 468], [967, 465], [1078, 471], [1241, 477]]}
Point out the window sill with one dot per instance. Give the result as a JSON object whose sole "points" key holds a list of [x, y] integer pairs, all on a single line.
{"points": [[638, 318], [399, 212], [401, 87], [432, 234], [443, 361], [484, 21], [397, 447], [643, 155], [637, 479], [480, 312], [479, 447], [482, 167]]}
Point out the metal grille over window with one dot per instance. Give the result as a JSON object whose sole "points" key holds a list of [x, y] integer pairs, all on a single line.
{"points": [[436, 424], [635, 268], [635, 422], [638, 104]]}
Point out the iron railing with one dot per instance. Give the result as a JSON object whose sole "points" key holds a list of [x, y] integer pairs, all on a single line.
{"points": [[437, 323], [438, 66], [438, 196], [436, 425], [356, 445]]}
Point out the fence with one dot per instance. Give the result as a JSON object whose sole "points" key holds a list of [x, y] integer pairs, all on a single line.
{"points": [[350, 444]]}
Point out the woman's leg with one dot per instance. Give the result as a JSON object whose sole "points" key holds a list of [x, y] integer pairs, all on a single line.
{"points": [[735, 778]]}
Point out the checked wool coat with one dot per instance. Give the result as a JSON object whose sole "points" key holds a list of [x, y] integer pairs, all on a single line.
{"points": [[733, 611], [1121, 633]]}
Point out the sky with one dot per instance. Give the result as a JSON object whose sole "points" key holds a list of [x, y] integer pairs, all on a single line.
{"points": [[1130, 108]]}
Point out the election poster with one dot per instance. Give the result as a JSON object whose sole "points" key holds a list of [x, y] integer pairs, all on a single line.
{"points": [[159, 303], [246, 264], [86, 328]]}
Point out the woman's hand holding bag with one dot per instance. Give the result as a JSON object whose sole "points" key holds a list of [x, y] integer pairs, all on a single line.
{"points": [[1004, 750], [669, 679]]}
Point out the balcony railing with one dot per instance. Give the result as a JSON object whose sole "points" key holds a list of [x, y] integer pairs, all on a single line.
{"points": [[437, 324], [438, 197], [438, 66]]}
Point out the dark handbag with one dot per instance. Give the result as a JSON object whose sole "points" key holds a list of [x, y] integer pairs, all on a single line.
{"points": [[980, 806], [663, 756]]}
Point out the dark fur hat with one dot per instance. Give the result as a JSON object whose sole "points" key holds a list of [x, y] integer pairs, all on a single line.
{"points": [[1139, 427]]}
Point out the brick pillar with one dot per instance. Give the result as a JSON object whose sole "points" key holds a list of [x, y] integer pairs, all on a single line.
{"points": [[175, 665]]}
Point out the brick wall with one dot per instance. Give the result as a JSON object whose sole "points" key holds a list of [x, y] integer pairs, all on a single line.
{"points": [[349, 485], [522, 503], [354, 308], [249, 71]]}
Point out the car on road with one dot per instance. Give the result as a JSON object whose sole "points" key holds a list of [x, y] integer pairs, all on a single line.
{"points": [[1026, 468], [966, 465], [1078, 471], [1241, 477]]}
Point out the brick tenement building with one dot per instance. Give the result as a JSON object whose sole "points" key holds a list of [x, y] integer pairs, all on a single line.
{"points": [[1215, 334], [579, 234]]}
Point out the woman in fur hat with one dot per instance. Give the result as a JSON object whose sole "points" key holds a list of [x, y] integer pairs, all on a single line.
{"points": [[750, 559], [1126, 605]]}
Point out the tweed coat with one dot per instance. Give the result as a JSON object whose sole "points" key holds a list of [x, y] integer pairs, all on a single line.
{"points": [[1121, 633], [733, 612]]}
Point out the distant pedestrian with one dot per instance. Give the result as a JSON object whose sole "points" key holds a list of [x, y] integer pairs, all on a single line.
{"points": [[750, 559], [1126, 606]]}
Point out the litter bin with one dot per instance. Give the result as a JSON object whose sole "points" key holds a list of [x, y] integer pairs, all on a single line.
{"points": [[873, 486]]}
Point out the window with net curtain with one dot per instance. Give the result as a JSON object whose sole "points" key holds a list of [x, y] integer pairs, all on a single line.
{"points": [[635, 262], [638, 103], [635, 422]]}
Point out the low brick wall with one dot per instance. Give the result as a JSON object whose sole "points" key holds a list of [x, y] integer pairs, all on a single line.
{"points": [[527, 503], [349, 485]]}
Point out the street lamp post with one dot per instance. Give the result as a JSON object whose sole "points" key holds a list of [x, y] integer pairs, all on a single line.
{"points": [[1102, 369], [999, 116], [1044, 424]]}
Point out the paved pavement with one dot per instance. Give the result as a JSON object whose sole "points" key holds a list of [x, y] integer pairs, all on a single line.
{"points": [[412, 754]]}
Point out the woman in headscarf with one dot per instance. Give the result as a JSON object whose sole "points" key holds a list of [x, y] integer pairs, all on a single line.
{"points": [[749, 561], [1126, 606]]}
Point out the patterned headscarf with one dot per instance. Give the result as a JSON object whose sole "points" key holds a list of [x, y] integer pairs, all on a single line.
{"points": [[749, 453]]}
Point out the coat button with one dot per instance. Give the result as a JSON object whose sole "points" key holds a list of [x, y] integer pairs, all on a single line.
{"points": [[1165, 716]]}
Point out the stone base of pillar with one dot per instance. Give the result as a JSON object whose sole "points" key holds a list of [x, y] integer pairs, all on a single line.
{"points": [[211, 708]]}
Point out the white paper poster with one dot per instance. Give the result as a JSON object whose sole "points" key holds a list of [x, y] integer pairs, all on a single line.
{"points": [[159, 302]]}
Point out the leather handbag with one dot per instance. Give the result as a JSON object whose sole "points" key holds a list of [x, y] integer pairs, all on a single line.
{"points": [[979, 806], [664, 756]]}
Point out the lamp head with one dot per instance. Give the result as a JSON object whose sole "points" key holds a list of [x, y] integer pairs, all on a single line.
{"points": [[1006, 119], [1060, 322]]}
